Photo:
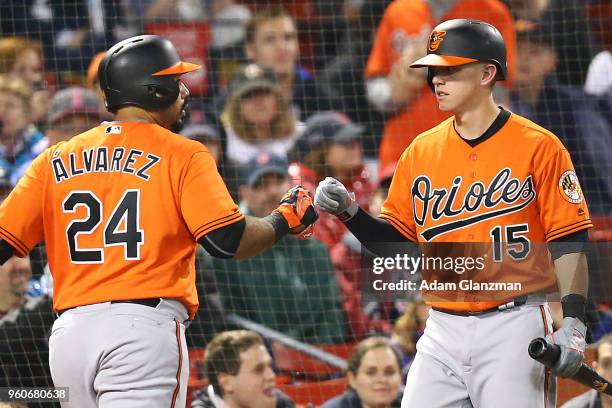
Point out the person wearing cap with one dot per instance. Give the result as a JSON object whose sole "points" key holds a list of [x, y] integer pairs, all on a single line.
{"points": [[73, 111], [208, 135], [257, 117], [402, 94], [273, 288], [565, 110], [484, 175], [20, 140]]}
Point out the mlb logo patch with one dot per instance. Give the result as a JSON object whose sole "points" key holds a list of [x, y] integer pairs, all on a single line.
{"points": [[113, 130]]}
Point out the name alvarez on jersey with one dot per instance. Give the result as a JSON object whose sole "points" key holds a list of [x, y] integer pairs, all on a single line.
{"points": [[435, 203], [103, 160]]}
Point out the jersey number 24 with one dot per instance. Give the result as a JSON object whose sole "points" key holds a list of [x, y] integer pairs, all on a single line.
{"points": [[122, 227]]}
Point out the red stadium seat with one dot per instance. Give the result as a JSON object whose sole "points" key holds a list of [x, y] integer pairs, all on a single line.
{"points": [[290, 361], [314, 392]]}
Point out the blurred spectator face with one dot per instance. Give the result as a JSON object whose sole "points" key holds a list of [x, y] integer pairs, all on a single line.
{"points": [[13, 114], [253, 385], [378, 379], [28, 66], [344, 158], [264, 195], [275, 45], [534, 62], [14, 277], [260, 107]]}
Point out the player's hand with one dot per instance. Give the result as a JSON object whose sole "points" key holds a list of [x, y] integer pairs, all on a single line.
{"points": [[332, 197], [571, 339], [297, 209]]}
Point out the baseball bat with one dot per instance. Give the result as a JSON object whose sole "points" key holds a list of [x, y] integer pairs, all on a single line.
{"points": [[548, 354]]}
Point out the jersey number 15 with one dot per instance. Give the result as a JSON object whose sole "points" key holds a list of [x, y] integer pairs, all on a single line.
{"points": [[122, 228]]}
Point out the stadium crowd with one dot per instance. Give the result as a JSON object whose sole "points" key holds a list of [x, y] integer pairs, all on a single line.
{"points": [[293, 94]]}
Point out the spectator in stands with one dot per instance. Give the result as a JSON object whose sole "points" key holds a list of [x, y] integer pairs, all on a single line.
{"points": [[402, 93], [14, 277], [564, 110], [73, 111], [239, 370], [272, 41], [331, 145], [374, 377], [23, 58], [598, 80], [20, 140], [25, 323], [257, 117], [603, 366], [291, 288], [208, 136], [574, 52]]}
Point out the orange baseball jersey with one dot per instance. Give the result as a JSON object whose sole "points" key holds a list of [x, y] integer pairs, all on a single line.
{"points": [[120, 208], [407, 23], [515, 185]]}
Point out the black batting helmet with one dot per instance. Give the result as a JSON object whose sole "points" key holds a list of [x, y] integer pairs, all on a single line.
{"points": [[461, 41], [140, 71]]}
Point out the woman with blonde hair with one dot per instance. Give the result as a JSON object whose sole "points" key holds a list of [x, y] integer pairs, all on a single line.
{"points": [[23, 58], [257, 117]]}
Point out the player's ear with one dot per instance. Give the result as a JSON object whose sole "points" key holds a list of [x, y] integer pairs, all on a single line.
{"points": [[489, 72]]}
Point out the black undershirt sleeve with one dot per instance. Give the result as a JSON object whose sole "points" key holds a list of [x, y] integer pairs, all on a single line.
{"points": [[568, 244], [223, 242], [6, 251], [373, 230]]}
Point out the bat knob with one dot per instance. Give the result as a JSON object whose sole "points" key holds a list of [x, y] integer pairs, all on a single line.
{"points": [[537, 347]]}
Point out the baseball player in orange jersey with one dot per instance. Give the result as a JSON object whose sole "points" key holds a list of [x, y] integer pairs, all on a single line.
{"points": [[121, 209], [484, 175]]}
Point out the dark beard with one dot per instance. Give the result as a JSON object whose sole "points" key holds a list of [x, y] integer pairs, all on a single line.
{"points": [[183, 118]]}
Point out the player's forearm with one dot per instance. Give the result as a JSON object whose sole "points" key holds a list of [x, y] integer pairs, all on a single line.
{"points": [[259, 235], [572, 274], [372, 230], [572, 278]]}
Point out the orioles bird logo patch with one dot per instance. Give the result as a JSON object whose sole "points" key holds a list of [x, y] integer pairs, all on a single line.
{"points": [[436, 40], [570, 188]]}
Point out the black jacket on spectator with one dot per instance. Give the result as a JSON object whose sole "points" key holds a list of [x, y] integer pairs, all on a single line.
{"points": [[350, 399], [201, 399]]}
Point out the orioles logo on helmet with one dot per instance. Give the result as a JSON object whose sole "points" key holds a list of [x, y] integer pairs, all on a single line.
{"points": [[436, 40]]}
